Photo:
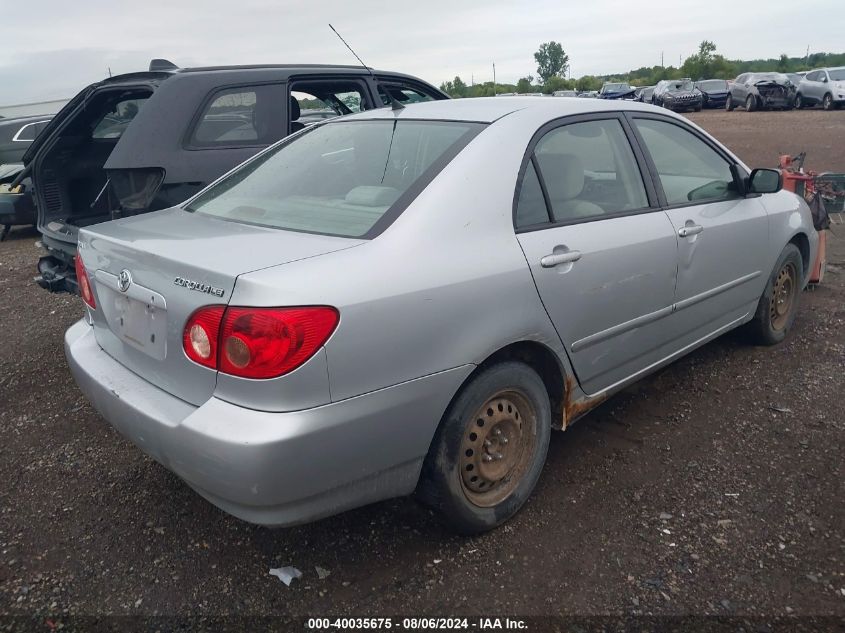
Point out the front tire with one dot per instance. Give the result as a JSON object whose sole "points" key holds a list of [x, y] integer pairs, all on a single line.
{"points": [[799, 101], [729, 104], [779, 303], [489, 449], [827, 102]]}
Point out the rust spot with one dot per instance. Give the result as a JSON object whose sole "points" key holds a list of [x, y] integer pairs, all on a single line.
{"points": [[574, 409]]}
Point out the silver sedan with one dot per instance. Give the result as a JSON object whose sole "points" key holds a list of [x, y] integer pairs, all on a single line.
{"points": [[411, 300]]}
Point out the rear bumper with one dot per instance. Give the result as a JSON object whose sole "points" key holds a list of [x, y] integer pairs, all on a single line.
{"points": [[272, 468]]}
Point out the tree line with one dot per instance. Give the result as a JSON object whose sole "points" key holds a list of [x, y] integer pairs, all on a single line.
{"points": [[553, 62]]}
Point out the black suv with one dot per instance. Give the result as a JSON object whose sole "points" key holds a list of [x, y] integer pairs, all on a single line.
{"points": [[144, 141]]}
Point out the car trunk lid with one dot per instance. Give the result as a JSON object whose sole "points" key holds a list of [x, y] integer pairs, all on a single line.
{"points": [[151, 272]]}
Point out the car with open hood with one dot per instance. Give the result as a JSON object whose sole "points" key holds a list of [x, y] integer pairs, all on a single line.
{"points": [[824, 87], [678, 95], [411, 299], [138, 142], [761, 91], [714, 92]]}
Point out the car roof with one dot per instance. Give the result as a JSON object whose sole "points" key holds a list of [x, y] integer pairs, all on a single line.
{"points": [[489, 109]]}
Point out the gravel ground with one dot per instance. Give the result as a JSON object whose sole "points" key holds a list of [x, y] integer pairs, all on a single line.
{"points": [[712, 487]]}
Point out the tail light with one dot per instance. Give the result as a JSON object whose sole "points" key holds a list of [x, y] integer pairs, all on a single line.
{"points": [[84, 283], [257, 342]]}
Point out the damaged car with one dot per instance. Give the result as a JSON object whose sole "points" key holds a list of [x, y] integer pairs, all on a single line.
{"points": [[16, 203], [143, 141], [325, 327], [678, 95], [761, 91], [610, 90], [714, 92]]}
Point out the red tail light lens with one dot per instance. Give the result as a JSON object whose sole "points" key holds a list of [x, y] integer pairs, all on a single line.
{"points": [[201, 334], [257, 342], [85, 288]]}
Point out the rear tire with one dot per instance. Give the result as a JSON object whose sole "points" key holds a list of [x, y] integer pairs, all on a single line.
{"points": [[750, 103], [489, 449], [779, 303]]}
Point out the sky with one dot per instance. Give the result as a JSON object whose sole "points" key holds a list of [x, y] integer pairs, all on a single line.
{"points": [[54, 52]]}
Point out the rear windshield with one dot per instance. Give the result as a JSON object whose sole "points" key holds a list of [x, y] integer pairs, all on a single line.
{"points": [[713, 84], [339, 178]]}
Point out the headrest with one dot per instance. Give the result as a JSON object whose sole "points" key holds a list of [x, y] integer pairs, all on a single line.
{"points": [[563, 175], [294, 108]]}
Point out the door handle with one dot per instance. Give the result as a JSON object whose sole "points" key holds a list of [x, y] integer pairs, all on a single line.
{"points": [[690, 230], [550, 261]]}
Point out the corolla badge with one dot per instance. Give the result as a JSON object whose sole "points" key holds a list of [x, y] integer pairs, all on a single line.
{"points": [[190, 284], [124, 280]]}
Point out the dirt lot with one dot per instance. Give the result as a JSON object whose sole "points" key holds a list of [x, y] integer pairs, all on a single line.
{"points": [[713, 487]]}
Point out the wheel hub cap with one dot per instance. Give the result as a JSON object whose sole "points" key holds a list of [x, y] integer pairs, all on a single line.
{"points": [[782, 297]]}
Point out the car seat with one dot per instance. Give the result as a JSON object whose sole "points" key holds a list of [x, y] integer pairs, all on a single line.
{"points": [[564, 178], [295, 125]]}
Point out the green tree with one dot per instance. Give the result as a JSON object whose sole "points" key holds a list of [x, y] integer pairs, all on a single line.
{"points": [[783, 63], [551, 60], [557, 83], [706, 64], [525, 84], [455, 88], [587, 82]]}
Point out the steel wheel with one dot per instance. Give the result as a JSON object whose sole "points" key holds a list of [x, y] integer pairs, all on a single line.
{"points": [[497, 448], [750, 103], [783, 296]]}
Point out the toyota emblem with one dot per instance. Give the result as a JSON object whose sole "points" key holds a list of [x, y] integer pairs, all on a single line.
{"points": [[124, 280]]}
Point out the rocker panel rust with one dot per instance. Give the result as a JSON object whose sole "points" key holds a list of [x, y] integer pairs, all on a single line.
{"points": [[574, 409]]}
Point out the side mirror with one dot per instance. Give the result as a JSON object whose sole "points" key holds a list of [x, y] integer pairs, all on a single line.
{"points": [[823, 79], [765, 181]]}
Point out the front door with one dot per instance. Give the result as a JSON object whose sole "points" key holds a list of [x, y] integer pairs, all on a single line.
{"points": [[722, 235], [603, 258]]}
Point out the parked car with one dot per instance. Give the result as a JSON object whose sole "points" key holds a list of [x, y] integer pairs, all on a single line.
{"points": [[135, 143], [617, 90], [714, 92], [643, 94], [565, 93], [678, 95], [824, 86], [16, 204], [761, 91], [317, 330]]}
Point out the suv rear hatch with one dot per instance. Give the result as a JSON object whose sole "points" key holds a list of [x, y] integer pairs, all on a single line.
{"points": [[177, 262], [66, 164]]}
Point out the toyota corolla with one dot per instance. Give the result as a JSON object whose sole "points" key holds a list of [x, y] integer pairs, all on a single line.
{"points": [[411, 300]]}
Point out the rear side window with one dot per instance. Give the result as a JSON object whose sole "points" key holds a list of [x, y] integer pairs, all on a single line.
{"points": [[402, 93], [240, 116], [589, 170], [531, 206], [689, 169], [115, 121], [339, 178]]}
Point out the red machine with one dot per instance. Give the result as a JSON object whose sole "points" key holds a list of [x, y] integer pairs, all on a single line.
{"points": [[804, 184]]}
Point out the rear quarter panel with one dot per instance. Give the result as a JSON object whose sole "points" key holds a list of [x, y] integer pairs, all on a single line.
{"points": [[444, 286]]}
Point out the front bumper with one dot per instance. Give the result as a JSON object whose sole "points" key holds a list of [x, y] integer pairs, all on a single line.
{"points": [[272, 468], [715, 102]]}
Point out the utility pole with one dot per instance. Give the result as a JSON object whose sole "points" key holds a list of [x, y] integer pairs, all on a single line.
{"points": [[807, 58], [494, 79], [472, 80], [661, 60]]}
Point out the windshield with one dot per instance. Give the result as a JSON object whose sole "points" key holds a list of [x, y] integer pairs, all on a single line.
{"points": [[686, 86], [768, 77], [713, 84], [837, 75], [339, 178], [615, 87]]}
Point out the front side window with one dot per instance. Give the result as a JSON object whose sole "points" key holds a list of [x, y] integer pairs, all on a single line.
{"points": [[240, 117], [589, 171], [689, 169], [336, 179]]}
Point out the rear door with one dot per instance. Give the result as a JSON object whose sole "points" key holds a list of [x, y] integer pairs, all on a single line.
{"points": [[602, 254], [722, 235]]}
